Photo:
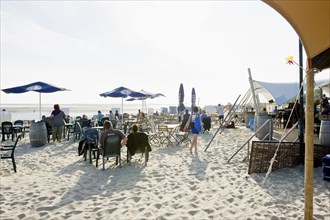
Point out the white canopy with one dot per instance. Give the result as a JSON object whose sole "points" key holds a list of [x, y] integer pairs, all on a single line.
{"points": [[280, 93]]}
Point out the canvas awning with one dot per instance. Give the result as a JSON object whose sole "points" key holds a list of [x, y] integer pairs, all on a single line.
{"points": [[281, 93], [311, 21]]}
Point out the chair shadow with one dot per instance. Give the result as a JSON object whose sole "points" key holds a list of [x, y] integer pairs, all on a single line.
{"points": [[95, 182]]}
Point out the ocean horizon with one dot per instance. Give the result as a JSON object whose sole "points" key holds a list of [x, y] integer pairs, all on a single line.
{"points": [[31, 111]]}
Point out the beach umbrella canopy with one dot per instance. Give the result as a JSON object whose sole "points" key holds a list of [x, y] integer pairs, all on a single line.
{"points": [[122, 92], [181, 106], [40, 87], [147, 95], [193, 99]]}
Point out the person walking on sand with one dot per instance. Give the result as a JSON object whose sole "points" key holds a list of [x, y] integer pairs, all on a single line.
{"points": [[196, 127], [57, 121], [221, 113]]}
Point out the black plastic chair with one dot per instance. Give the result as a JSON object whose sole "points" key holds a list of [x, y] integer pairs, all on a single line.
{"points": [[138, 143], [85, 123], [19, 127], [111, 148], [92, 138], [49, 130], [75, 130], [7, 130], [8, 150]]}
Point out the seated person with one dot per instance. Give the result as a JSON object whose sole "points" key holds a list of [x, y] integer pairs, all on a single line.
{"points": [[325, 109], [108, 129], [137, 140], [206, 121], [116, 115], [185, 118], [99, 117], [275, 110], [203, 115], [325, 100], [231, 125]]}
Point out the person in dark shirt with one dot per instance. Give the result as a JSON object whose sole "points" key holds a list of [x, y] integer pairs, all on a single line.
{"points": [[108, 129], [184, 120]]}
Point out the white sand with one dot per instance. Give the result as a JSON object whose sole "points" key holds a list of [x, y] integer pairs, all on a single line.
{"points": [[53, 182]]}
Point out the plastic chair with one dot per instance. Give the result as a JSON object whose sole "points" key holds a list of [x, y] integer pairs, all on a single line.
{"points": [[8, 150], [75, 130], [138, 143], [111, 148], [49, 130], [7, 129], [92, 138], [19, 127]]}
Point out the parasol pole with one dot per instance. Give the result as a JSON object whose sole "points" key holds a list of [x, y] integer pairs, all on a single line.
{"points": [[122, 110], [301, 95], [39, 105], [309, 144]]}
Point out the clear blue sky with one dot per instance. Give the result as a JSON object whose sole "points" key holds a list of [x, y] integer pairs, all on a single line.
{"points": [[91, 47]]}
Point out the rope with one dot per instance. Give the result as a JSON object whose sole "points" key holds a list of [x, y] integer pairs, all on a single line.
{"points": [[281, 139]]}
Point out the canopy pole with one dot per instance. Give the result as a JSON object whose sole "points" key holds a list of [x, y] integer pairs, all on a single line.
{"points": [[253, 93], [301, 95], [309, 145]]}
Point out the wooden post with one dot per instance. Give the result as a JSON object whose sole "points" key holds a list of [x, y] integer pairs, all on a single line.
{"points": [[309, 145]]}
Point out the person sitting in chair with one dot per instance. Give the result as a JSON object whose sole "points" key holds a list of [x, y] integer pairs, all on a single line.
{"points": [[137, 140], [108, 129], [206, 121]]}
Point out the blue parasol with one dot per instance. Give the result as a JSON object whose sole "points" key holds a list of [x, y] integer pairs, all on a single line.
{"points": [[193, 99], [40, 87], [147, 95], [122, 92], [181, 106]]}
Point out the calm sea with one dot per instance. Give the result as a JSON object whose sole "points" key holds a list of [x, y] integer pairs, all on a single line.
{"points": [[31, 111]]}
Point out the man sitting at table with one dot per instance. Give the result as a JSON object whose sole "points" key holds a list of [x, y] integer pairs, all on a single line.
{"points": [[108, 129]]}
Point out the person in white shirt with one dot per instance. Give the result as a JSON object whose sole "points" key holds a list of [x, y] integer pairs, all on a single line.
{"points": [[221, 113]]}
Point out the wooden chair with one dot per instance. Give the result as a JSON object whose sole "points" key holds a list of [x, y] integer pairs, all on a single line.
{"points": [[163, 134], [138, 143], [111, 148], [183, 137], [8, 150]]}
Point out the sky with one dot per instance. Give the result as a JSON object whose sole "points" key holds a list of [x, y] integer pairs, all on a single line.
{"points": [[91, 47]]}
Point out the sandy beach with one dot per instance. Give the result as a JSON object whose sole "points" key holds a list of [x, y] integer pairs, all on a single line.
{"points": [[53, 182]]}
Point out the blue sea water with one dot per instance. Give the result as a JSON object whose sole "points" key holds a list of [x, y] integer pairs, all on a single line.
{"points": [[31, 111]]}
